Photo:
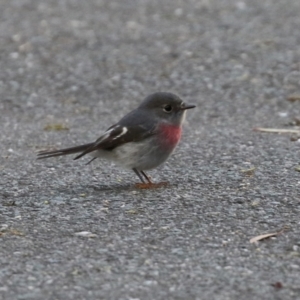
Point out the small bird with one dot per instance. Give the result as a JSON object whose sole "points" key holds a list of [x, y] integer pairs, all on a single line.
{"points": [[142, 140]]}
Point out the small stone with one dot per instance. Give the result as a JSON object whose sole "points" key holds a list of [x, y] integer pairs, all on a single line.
{"points": [[87, 234]]}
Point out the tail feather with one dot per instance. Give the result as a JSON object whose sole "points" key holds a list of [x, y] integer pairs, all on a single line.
{"points": [[87, 150], [66, 151]]}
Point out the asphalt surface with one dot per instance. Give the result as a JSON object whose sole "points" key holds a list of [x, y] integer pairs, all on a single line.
{"points": [[69, 69]]}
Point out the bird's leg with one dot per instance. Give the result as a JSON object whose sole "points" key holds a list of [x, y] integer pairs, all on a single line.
{"points": [[142, 185], [149, 184], [154, 185], [139, 175], [146, 176]]}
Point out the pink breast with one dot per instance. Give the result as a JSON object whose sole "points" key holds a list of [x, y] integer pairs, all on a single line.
{"points": [[169, 135]]}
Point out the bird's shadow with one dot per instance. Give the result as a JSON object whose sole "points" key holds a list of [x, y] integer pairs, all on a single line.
{"points": [[131, 186], [75, 189], [114, 188], [111, 187]]}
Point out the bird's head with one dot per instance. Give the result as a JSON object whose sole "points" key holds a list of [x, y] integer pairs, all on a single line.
{"points": [[166, 106]]}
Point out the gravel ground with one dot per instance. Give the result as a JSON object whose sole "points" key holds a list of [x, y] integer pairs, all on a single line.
{"points": [[69, 69]]}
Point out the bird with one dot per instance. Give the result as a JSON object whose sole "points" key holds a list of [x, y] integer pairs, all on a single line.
{"points": [[142, 140]]}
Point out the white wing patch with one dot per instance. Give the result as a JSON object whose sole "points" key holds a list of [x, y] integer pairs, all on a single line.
{"points": [[105, 136], [110, 134], [124, 130]]}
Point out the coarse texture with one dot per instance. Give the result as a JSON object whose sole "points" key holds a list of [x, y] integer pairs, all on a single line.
{"points": [[69, 69]]}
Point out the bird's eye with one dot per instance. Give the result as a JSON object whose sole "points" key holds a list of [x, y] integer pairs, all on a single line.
{"points": [[168, 108]]}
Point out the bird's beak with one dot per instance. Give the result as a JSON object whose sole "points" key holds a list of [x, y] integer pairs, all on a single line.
{"points": [[187, 106]]}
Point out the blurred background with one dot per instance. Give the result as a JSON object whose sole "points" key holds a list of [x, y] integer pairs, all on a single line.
{"points": [[69, 69]]}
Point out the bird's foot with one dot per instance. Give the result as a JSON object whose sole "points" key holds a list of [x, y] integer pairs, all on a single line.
{"points": [[151, 185]]}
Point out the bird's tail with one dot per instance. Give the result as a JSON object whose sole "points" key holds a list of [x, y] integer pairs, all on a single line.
{"points": [[82, 148]]}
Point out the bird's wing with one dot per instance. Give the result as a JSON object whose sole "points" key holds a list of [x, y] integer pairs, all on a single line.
{"points": [[131, 128], [117, 135]]}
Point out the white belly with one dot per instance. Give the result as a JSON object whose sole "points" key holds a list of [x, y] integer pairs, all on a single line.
{"points": [[135, 155]]}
